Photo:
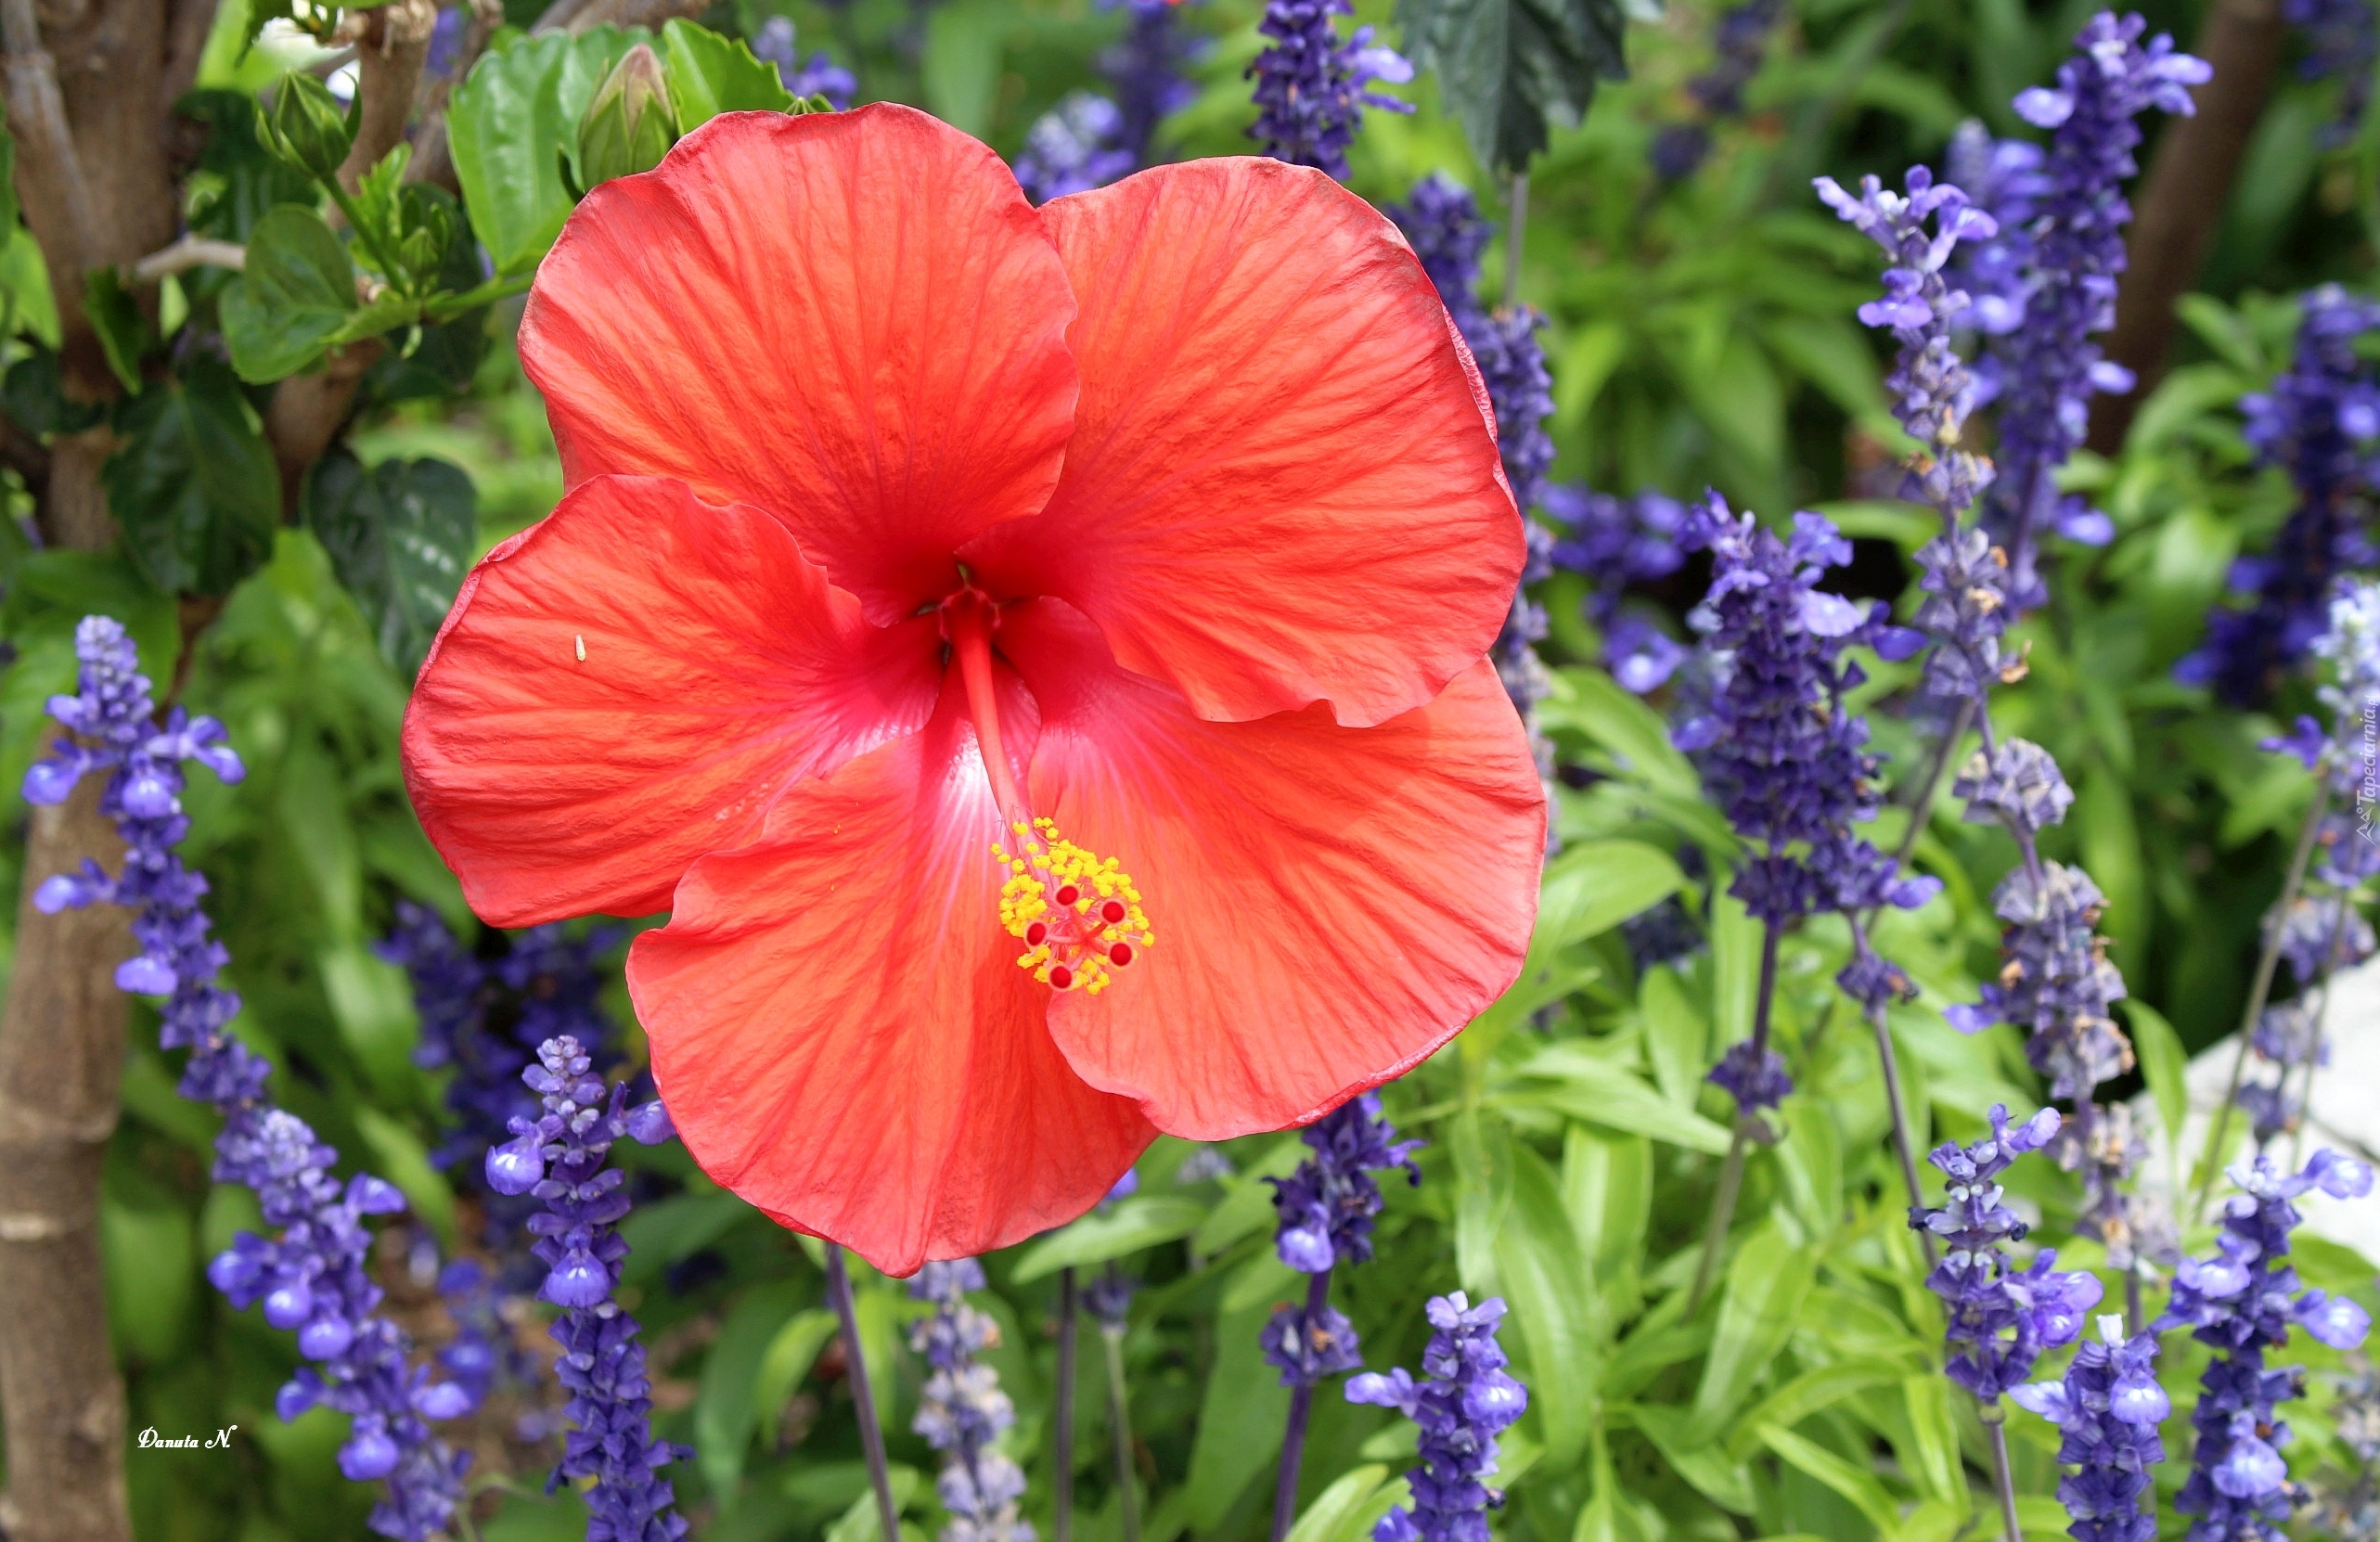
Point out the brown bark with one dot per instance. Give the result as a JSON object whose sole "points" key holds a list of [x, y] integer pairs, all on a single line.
{"points": [[61, 1051], [392, 41], [307, 411], [2183, 198]]}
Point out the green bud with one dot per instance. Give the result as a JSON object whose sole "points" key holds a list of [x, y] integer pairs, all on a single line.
{"points": [[307, 126], [628, 126]]}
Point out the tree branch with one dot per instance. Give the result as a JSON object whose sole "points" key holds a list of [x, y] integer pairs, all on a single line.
{"points": [[2182, 199], [190, 251], [49, 171], [186, 26], [392, 43]]}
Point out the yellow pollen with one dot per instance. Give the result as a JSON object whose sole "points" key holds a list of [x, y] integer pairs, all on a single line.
{"points": [[1070, 944]]}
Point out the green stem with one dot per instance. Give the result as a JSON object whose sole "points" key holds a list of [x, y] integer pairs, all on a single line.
{"points": [[2003, 1476], [1732, 1175], [1120, 1420], [445, 306], [1061, 1526]]}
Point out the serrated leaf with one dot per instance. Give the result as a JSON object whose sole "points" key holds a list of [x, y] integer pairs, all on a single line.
{"points": [[1510, 70], [400, 536], [710, 74], [521, 102], [294, 299], [193, 488], [1142, 1221]]}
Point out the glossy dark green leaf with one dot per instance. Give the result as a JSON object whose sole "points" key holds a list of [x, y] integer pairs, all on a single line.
{"points": [[521, 103], [710, 74], [124, 333], [1510, 69], [35, 395], [400, 535], [296, 297], [193, 488]]}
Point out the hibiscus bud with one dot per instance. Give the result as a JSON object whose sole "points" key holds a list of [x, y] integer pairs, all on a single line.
{"points": [[628, 126], [306, 125]]}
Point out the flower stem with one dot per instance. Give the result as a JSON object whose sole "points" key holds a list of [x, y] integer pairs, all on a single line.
{"points": [[1301, 1405], [2210, 1160], [871, 1435], [1061, 1524], [1902, 1145], [1119, 1417], [1732, 1175], [1995, 1425]]}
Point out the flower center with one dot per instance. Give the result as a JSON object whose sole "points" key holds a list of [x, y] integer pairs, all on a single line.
{"points": [[1078, 913]]}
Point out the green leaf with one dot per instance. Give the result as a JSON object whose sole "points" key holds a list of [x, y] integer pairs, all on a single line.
{"points": [[123, 332], [1855, 1484], [1595, 1091], [1806, 1394], [1591, 888], [249, 179], [399, 1156], [2163, 1065], [1676, 1040], [787, 1359], [723, 1407], [1607, 1187], [661, 1232], [1766, 1283], [1932, 1435], [400, 535], [1548, 1279], [193, 488], [1718, 1476], [710, 74], [860, 1523], [965, 45], [151, 1278], [521, 102], [1509, 70], [295, 297], [1347, 1510], [49, 591], [35, 395], [1142, 1221], [1240, 1420], [9, 209], [1598, 706]]}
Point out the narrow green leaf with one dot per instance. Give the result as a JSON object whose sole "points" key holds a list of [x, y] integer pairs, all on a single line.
{"points": [[965, 47], [1820, 1387], [1676, 1040], [1593, 887], [1142, 1221], [725, 1405], [1766, 1283], [1592, 1089], [1934, 1435], [1240, 1420], [1719, 1477], [1598, 706], [1548, 1280], [860, 1523], [399, 1156], [2163, 1064], [1855, 1484], [787, 1359], [1343, 1512]]}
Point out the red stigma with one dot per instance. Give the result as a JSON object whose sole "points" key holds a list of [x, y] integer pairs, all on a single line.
{"points": [[1036, 935], [1067, 895], [1120, 953], [1112, 912], [1061, 976]]}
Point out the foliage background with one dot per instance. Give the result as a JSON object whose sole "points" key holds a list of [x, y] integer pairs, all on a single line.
{"points": [[1698, 335]]}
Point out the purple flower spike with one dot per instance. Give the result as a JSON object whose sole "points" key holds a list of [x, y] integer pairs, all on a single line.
{"points": [[578, 1238], [963, 1411], [2242, 1302], [1467, 1400], [1327, 1209], [2108, 1408], [309, 1275], [1312, 87], [2002, 1318]]}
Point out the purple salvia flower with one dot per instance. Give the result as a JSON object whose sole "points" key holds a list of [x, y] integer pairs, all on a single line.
{"points": [[2049, 368], [2001, 1317], [560, 1157], [311, 1275], [1146, 69], [2342, 42], [1466, 1401], [2321, 421], [962, 1410], [2003, 178], [2241, 1303], [1326, 1211], [2056, 983], [1074, 147], [1312, 87], [1754, 1075], [818, 75], [2107, 1409], [1739, 40], [1779, 755]]}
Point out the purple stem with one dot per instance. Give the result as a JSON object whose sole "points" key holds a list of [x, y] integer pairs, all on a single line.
{"points": [[1301, 1404], [1061, 1524], [871, 1435]]}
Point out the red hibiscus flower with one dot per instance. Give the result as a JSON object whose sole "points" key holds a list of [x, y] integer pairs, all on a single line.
{"points": [[906, 519]]}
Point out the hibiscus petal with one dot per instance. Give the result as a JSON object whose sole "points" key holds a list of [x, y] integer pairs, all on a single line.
{"points": [[851, 320], [843, 1035], [631, 683], [1329, 904], [1282, 486]]}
